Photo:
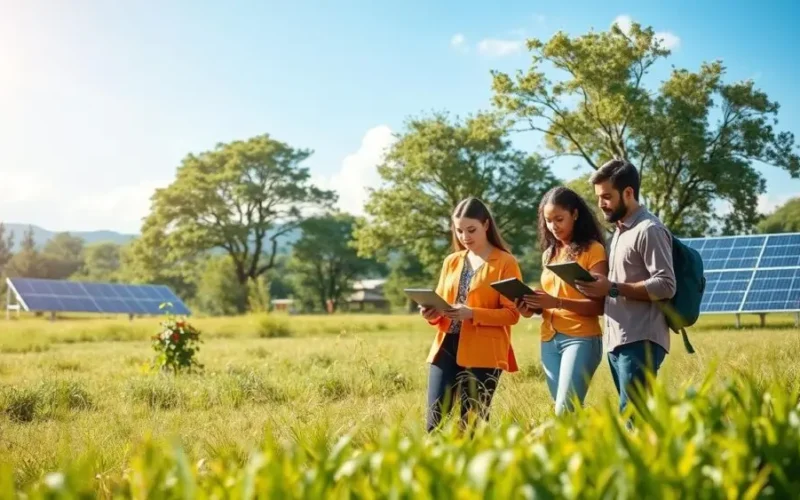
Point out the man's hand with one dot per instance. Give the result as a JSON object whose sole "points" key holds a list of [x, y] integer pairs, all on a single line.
{"points": [[459, 312], [429, 313], [594, 289]]}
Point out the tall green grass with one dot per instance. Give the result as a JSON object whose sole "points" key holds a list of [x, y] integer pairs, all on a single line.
{"points": [[740, 442]]}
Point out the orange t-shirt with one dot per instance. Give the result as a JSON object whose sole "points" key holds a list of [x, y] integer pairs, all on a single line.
{"points": [[561, 320]]}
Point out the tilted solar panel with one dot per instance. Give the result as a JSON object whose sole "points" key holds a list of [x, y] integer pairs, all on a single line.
{"points": [[754, 274], [72, 296]]}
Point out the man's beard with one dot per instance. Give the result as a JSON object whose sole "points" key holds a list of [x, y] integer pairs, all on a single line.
{"points": [[617, 214]]}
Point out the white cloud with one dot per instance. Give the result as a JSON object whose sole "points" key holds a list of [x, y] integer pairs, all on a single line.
{"points": [[458, 41], [122, 207], [624, 22], [30, 198], [767, 203], [666, 39], [494, 47], [359, 170]]}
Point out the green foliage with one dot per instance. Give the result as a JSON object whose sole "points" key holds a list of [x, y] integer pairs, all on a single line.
{"points": [[279, 279], [219, 293], [324, 261], [101, 263], [274, 326], [149, 259], [601, 110], [258, 295], [240, 197], [6, 247], [785, 219], [435, 164], [741, 442], [27, 262], [406, 271], [46, 400], [176, 346], [62, 256]]}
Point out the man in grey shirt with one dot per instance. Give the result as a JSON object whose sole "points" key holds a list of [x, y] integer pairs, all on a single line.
{"points": [[640, 273]]}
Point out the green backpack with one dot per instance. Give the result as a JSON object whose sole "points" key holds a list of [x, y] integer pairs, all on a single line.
{"points": [[683, 308]]}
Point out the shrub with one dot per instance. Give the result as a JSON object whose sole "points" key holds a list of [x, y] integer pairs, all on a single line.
{"points": [[45, 400], [273, 326], [176, 345], [159, 393]]}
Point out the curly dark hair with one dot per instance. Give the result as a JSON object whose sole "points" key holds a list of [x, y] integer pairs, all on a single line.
{"points": [[586, 230]]}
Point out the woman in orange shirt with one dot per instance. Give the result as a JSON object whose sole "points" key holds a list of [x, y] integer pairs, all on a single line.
{"points": [[472, 346], [571, 339]]}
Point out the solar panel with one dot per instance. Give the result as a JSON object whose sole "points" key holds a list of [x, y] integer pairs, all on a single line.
{"points": [[72, 296], [750, 273]]}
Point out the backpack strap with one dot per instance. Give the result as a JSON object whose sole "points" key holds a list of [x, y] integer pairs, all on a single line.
{"points": [[686, 343]]}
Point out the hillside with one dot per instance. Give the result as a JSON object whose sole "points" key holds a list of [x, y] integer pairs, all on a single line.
{"points": [[42, 236]]}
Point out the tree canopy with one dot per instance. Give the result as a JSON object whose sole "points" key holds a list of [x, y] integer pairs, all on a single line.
{"points": [[325, 263], [240, 197], [435, 164], [785, 219], [696, 140]]}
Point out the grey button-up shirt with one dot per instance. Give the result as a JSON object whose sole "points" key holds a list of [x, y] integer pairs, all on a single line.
{"points": [[640, 250]]}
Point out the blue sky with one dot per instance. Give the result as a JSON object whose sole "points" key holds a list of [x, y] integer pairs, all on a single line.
{"points": [[100, 102]]}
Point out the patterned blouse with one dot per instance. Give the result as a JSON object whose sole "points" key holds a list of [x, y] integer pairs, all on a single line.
{"points": [[463, 288]]}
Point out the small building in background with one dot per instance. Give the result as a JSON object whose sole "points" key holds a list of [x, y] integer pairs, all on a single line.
{"points": [[367, 295], [282, 305]]}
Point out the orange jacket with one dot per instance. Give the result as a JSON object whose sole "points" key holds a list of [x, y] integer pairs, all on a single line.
{"points": [[485, 340]]}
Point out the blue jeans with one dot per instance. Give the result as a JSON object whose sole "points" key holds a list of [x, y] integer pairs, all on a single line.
{"points": [[629, 365], [569, 365]]}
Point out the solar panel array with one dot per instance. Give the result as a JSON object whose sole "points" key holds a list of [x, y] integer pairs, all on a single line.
{"points": [[72, 296], [758, 273]]}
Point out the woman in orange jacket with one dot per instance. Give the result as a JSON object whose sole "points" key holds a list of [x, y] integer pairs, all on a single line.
{"points": [[472, 346]]}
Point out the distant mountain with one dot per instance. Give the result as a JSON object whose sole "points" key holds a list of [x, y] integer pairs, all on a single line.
{"points": [[42, 236]]}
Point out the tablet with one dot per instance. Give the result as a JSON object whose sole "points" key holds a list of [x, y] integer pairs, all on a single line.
{"points": [[512, 288], [570, 272], [427, 298]]}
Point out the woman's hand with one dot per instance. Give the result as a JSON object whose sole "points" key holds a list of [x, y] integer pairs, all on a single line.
{"points": [[523, 308], [459, 312], [541, 300], [429, 313]]}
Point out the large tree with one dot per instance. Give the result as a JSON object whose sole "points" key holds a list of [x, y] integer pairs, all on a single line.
{"points": [[62, 256], [101, 263], [241, 197], [696, 140], [435, 164], [325, 263], [27, 262], [785, 219]]}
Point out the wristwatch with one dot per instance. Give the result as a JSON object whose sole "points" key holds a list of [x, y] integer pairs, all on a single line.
{"points": [[614, 291]]}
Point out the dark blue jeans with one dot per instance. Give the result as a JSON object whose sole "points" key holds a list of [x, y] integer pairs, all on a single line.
{"points": [[447, 380], [629, 363]]}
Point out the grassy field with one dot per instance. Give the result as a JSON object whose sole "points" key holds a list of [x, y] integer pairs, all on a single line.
{"points": [[79, 387]]}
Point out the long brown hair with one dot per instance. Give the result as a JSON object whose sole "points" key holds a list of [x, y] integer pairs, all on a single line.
{"points": [[585, 230], [473, 208]]}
